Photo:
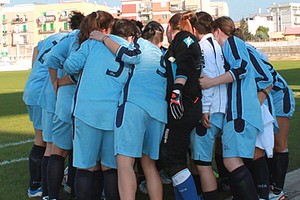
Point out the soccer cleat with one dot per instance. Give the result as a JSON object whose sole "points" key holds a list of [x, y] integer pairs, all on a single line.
{"points": [[280, 196], [34, 193], [164, 177], [67, 189], [103, 195], [65, 178], [143, 187], [45, 198]]}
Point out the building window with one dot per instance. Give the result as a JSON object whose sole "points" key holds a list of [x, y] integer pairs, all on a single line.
{"points": [[24, 28], [66, 26], [51, 26], [164, 16], [44, 27]]}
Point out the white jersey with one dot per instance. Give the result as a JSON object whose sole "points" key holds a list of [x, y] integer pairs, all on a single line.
{"points": [[214, 99]]}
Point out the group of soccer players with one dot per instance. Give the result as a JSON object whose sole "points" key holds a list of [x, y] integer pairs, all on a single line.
{"points": [[112, 93]]}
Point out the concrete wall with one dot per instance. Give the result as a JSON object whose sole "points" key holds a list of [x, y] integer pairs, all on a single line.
{"points": [[285, 50]]}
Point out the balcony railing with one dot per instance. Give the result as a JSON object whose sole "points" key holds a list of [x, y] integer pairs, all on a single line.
{"points": [[19, 20], [64, 30], [50, 18], [145, 10], [63, 18], [46, 31]]}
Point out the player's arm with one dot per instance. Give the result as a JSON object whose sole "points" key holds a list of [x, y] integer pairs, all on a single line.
{"points": [[112, 45], [130, 56], [76, 61], [66, 80], [34, 55], [206, 82], [53, 77], [263, 93]]}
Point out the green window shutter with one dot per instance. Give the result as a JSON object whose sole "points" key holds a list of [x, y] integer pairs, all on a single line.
{"points": [[44, 27], [3, 17], [44, 13], [51, 26], [4, 28], [66, 26], [24, 28]]}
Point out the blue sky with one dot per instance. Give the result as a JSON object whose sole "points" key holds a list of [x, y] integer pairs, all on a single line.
{"points": [[237, 8]]}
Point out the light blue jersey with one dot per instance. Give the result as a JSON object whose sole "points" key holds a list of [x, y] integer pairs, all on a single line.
{"points": [[263, 76], [283, 98], [101, 83], [147, 86], [55, 60], [263, 79], [243, 104], [39, 71]]}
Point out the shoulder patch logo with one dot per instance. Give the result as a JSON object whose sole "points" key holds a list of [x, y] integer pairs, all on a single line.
{"points": [[188, 41]]}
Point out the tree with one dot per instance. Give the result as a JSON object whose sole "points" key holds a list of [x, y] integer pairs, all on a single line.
{"points": [[262, 33], [244, 26]]}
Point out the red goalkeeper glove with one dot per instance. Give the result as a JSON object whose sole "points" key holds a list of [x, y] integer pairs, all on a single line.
{"points": [[176, 105]]}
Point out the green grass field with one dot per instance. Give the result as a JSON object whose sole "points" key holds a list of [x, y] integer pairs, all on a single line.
{"points": [[15, 128]]}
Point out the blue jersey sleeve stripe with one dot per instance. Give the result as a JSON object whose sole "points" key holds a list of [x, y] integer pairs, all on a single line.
{"points": [[271, 69], [239, 101], [229, 110], [233, 48], [238, 72], [131, 53], [286, 101], [270, 104], [259, 70], [226, 65]]}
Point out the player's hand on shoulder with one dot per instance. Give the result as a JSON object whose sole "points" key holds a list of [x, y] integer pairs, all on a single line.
{"points": [[97, 35]]}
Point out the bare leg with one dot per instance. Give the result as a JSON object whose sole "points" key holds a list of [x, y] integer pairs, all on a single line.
{"points": [[154, 184], [126, 177], [281, 138], [207, 178], [38, 140]]}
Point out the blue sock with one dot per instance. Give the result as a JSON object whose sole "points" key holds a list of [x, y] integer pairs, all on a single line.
{"points": [[184, 185], [177, 194]]}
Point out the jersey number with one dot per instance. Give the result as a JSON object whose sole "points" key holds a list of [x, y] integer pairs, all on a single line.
{"points": [[118, 72]]}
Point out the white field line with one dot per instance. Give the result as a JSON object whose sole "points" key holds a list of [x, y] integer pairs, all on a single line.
{"points": [[7, 162], [15, 143]]}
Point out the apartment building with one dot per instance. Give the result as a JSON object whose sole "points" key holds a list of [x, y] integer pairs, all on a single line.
{"points": [[285, 16], [218, 9], [23, 26], [260, 19], [162, 10]]}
